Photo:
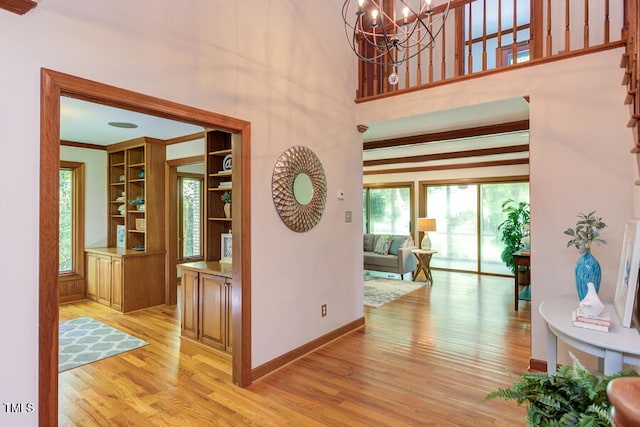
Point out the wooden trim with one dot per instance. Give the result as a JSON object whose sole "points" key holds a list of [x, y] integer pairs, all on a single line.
{"points": [[484, 180], [537, 365], [291, 356], [403, 184], [185, 138], [531, 63], [186, 160], [471, 132], [77, 168], [88, 146], [171, 233], [55, 84], [449, 155], [449, 167], [18, 6]]}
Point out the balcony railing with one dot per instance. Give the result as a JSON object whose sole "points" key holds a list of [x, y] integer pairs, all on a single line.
{"points": [[481, 36]]}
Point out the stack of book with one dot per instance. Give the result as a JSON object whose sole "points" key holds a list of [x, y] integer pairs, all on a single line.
{"points": [[598, 323], [224, 184]]}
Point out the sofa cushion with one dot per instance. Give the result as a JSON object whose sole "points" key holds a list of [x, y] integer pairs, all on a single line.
{"points": [[368, 242], [383, 243], [397, 243], [372, 259]]}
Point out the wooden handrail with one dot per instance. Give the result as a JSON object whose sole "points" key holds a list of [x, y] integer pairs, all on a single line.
{"points": [[506, 42]]}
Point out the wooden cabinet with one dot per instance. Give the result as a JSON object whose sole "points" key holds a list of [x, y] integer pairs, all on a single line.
{"points": [[125, 280], [136, 194], [206, 304], [219, 148]]}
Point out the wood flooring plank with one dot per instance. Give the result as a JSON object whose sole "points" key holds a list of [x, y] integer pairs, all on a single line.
{"points": [[428, 359]]}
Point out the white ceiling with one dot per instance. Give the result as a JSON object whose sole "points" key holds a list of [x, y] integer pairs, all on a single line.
{"points": [[82, 121]]}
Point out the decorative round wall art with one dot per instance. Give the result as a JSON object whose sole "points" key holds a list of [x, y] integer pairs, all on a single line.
{"points": [[299, 188]]}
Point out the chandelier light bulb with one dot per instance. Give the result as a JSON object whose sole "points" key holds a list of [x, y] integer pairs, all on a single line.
{"points": [[405, 13], [360, 3], [374, 17]]}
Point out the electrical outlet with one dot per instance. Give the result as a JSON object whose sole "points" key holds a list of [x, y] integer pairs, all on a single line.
{"points": [[324, 310]]}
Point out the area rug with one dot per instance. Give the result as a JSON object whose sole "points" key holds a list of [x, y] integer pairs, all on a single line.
{"points": [[84, 340], [379, 291]]}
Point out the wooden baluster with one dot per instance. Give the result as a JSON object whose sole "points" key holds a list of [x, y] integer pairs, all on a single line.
{"points": [[458, 52], [514, 50], [549, 37], [536, 29], [444, 59], [606, 21], [586, 23], [470, 56], [499, 49], [484, 35], [419, 61], [430, 79], [567, 33]]}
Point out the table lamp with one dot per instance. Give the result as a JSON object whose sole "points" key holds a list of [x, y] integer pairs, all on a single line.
{"points": [[426, 225]]}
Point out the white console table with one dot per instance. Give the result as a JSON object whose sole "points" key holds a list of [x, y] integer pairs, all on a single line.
{"points": [[620, 345]]}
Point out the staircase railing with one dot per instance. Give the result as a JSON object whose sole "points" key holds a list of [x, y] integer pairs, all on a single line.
{"points": [[486, 36]]}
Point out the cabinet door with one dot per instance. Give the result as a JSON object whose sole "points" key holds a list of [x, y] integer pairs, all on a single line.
{"points": [[189, 304], [213, 315], [92, 277], [116, 283], [104, 280]]}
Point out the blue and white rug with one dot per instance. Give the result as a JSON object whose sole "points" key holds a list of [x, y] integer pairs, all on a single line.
{"points": [[84, 340], [379, 291]]}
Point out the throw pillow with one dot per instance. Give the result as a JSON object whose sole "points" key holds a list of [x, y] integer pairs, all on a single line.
{"points": [[382, 244], [397, 243], [368, 242]]}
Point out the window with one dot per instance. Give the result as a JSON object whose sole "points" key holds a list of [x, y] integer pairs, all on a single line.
{"points": [[467, 218], [190, 217], [71, 218], [387, 209]]}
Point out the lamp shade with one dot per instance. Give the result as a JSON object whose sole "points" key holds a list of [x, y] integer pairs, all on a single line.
{"points": [[426, 224]]}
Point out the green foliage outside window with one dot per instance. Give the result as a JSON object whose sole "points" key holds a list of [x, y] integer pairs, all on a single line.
{"points": [[66, 221], [191, 225]]}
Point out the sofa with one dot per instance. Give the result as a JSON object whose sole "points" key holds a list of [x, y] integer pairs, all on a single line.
{"points": [[389, 253]]}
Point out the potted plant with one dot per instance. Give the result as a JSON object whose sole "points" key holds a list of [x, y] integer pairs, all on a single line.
{"points": [[583, 237], [226, 198], [513, 229], [572, 396]]}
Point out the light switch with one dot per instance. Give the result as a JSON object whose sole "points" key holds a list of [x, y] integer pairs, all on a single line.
{"points": [[347, 216]]}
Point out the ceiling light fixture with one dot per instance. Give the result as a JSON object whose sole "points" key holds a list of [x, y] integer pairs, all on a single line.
{"points": [[377, 37], [123, 125]]}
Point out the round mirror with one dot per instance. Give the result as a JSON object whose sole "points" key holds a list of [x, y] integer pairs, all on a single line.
{"points": [[303, 189], [299, 188]]}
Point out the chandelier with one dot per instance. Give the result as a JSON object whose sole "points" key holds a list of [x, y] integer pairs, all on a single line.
{"points": [[377, 37]]}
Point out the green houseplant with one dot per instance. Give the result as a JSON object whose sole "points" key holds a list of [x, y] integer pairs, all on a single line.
{"points": [[570, 397], [511, 229], [226, 197]]}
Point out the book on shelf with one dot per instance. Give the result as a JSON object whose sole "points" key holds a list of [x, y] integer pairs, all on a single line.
{"points": [[224, 184], [588, 324]]}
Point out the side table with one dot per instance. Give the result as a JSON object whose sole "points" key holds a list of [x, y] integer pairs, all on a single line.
{"points": [[620, 345], [424, 259]]}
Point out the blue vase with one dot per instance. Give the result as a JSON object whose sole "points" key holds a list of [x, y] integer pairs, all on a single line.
{"points": [[587, 270]]}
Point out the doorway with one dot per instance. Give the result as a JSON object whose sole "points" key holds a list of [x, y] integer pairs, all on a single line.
{"points": [[55, 84]]}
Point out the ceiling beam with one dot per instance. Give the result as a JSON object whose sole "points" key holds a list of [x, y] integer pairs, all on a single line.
{"points": [[520, 125], [449, 166], [449, 155], [18, 6]]}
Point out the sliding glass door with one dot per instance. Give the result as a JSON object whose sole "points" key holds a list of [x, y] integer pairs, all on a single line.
{"points": [[467, 218]]}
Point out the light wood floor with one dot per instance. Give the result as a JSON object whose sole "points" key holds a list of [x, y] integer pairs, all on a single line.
{"points": [[427, 359]]}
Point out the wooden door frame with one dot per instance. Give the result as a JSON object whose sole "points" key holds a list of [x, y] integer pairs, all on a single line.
{"points": [[54, 84]]}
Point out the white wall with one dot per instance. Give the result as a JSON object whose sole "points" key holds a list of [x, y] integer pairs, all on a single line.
{"points": [[579, 159], [95, 190], [283, 65]]}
